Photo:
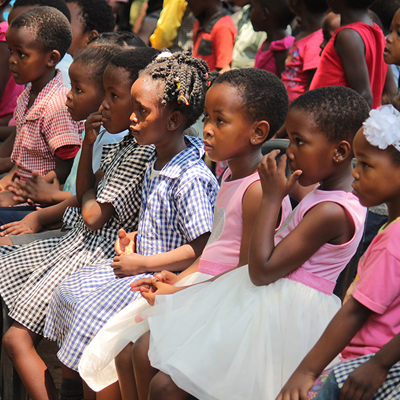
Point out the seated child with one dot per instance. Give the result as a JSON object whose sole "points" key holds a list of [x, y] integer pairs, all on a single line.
{"points": [[330, 23], [264, 104], [213, 34], [369, 318], [303, 58], [203, 337], [105, 202], [273, 18], [47, 138], [353, 57]]}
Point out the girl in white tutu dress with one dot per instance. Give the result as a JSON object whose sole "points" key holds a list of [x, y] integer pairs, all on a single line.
{"points": [[241, 336], [234, 215]]}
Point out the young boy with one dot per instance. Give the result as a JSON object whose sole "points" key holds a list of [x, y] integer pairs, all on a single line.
{"points": [[213, 34], [46, 136]]}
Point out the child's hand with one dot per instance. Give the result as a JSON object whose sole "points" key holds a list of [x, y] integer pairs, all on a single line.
{"points": [[297, 387], [30, 224], [18, 189], [125, 244], [92, 127], [364, 381], [166, 277], [157, 288], [143, 282], [128, 265], [273, 176]]}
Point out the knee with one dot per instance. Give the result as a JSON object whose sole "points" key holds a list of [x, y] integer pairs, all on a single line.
{"points": [[10, 344], [124, 358], [141, 348], [162, 387]]}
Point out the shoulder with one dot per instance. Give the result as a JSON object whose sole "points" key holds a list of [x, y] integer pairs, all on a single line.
{"points": [[349, 37], [224, 24]]}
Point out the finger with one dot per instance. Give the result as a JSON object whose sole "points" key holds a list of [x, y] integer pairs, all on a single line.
{"points": [[294, 177], [271, 158], [149, 297]]}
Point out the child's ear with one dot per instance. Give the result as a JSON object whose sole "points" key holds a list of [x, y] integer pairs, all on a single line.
{"points": [[91, 34], [175, 120], [260, 132], [343, 151], [54, 58]]}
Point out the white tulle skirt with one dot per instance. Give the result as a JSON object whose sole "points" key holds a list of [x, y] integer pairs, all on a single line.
{"points": [[232, 340], [97, 365]]}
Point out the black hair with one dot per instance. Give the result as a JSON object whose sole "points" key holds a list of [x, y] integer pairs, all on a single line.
{"points": [[186, 82], [134, 60], [96, 14], [59, 4], [316, 6], [263, 94], [51, 27], [118, 38], [385, 9], [97, 58], [280, 9], [337, 111], [360, 4]]}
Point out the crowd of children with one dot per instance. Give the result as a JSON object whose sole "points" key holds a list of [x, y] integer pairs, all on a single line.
{"points": [[156, 280]]}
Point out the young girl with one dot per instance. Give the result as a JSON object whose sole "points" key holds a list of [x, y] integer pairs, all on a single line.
{"points": [[369, 317], [105, 202], [273, 18], [178, 199], [242, 335], [235, 210]]}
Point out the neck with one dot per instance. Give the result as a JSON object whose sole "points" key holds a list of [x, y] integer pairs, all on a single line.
{"points": [[211, 10], [168, 149], [340, 180], [245, 165], [310, 23], [274, 33], [351, 15]]}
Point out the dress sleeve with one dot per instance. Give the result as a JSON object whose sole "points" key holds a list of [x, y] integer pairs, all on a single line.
{"points": [[312, 50]]}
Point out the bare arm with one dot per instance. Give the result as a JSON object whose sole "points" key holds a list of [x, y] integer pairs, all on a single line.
{"points": [[8, 135]]}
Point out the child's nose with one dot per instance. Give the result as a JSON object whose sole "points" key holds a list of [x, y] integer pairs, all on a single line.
{"points": [[389, 38], [355, 173], [133, 118], [69, 96], [207, 129]]}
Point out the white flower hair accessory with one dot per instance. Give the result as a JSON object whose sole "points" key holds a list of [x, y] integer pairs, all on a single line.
{"points": [[164, 54], [382, 128]]}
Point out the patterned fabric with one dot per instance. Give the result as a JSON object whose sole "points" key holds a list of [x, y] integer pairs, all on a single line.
{"points": [[177, 207], [312, 394], [31, 272], [42, 129]]}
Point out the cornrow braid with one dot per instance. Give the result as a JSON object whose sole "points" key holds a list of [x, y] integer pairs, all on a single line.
{"points": [[186, 82]]}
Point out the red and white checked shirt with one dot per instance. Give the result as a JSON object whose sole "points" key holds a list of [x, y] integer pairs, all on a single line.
{"points": [[42, 129]]}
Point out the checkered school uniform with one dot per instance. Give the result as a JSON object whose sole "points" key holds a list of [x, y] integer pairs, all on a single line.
{"points": [[390, 390], [29, 273], [43, 128], [177, 207]]}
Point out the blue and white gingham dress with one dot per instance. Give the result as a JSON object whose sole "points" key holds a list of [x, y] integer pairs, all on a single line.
{"points": [[177, 207], [29, 273]]}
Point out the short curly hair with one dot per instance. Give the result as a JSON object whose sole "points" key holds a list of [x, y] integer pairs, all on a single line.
{"points": [[118, 38], [50, 26], [59, 4], [338, 111], [281, 10], [263, 94], [316, 6], [96, 14], [97, 58], [360, 3], [186, 82]]}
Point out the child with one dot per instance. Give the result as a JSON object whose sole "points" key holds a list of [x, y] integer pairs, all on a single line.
{"points": [[273, 18], [177, 204], [303, 58], [369, 317], [263, 102], [353, 57], [391, 52], [271, 303], [109, 200], [213, 34], [9, 90], [46, 136], [330, 23]]}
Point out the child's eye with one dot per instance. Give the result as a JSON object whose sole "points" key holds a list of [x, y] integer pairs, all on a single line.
{"points": [[78, 89], [21, 54], [205, 116], [114, 96], [220, 120], [142, 111], [299, 141]]}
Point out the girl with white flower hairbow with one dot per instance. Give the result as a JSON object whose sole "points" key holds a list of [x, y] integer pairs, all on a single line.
{"points": [[368, 322]]}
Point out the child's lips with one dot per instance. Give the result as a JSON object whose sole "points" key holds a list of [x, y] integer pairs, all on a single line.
{"points": [[207, 146], [386, 51]]}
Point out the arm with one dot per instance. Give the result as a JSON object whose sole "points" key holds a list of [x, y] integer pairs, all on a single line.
{"points": [[390, 89], [344, 325], [280, 57], [6, 147], [4, 67], [63, 168], [350, 47], [325, 223], [223, 42]]}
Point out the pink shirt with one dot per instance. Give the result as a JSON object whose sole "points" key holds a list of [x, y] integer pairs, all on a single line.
{"points": [[266, 59], [329, 260], [8, 101], [223, 247], [378, 288], [42, 129], [302, 57]]}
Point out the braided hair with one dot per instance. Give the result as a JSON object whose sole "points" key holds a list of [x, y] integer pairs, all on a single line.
{"points": [[186, 81]]}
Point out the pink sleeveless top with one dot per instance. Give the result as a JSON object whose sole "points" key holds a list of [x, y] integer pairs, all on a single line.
{"points": [[223, 247], [322, 269]]}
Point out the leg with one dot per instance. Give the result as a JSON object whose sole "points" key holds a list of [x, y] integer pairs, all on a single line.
{"points": [[71, 385], [144, 372], [126, 375], [20, 346], [162, 387], [111, 392]]}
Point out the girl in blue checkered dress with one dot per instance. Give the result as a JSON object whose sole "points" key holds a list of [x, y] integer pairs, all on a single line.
{"points": [[176, 216]]}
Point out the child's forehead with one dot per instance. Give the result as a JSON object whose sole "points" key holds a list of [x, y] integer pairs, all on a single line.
{"points": [[22, 35], [117, 76], [147, 89]]}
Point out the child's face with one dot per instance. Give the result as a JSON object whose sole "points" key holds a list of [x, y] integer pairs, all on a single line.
{"points": [[85, 95], [197, 7], [79, 36], [376, 175], [28, 61], [117, 107], [391, 53], [329, 25], [227, 131], [257, 15], [149, 118], [309, 150]]}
